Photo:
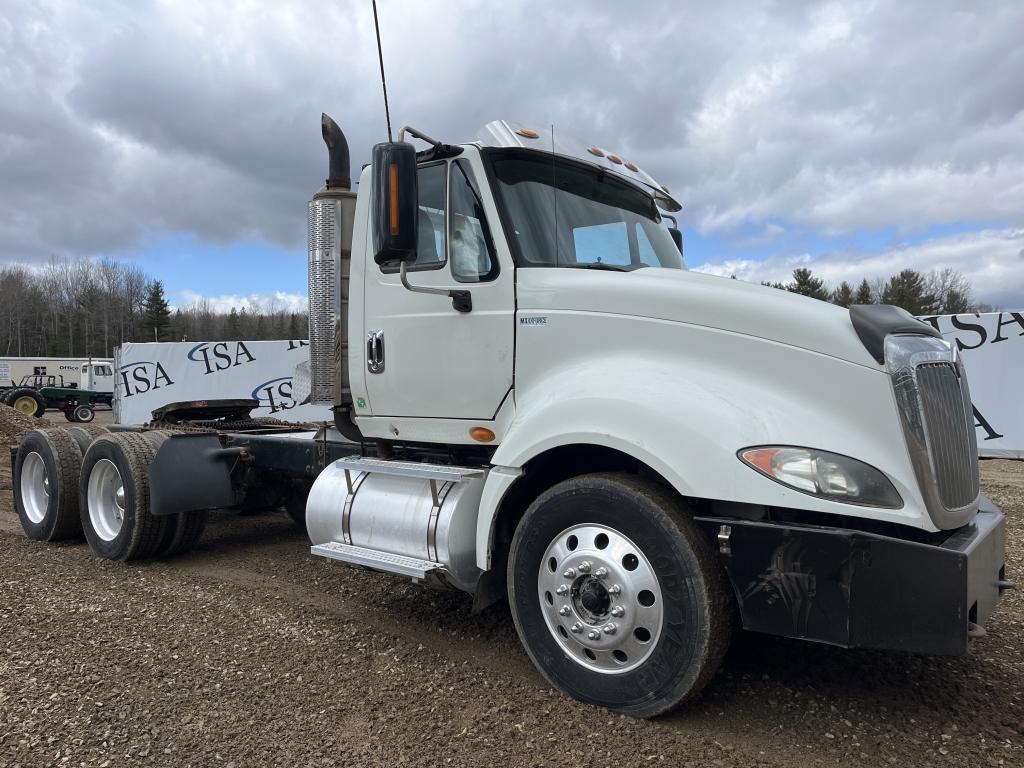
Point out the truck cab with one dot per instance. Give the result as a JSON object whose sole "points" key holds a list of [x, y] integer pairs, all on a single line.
{"points": [[520, 304], [98, 377]]}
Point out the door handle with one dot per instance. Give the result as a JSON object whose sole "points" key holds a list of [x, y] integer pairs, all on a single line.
{"points": [[375, 351]]}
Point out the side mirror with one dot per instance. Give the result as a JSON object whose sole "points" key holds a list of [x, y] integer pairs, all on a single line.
{"points": [[395, 202], [677, 237]]}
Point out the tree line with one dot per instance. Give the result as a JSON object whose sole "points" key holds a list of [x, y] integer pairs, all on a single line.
{"points": [[88, 307], [938, 292]]}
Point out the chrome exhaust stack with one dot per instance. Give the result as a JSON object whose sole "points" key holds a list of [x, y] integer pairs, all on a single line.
{"points": [[330, 218]]}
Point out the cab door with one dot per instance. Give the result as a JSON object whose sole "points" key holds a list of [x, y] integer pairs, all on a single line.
{"points": [[423, 357]]}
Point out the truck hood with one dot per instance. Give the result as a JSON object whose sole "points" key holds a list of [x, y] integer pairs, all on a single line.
{"points": [[698, 299]]}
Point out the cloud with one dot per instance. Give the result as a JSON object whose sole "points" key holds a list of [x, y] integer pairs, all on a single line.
{"points": [[125, 121], [271, 301], [993, 258]]}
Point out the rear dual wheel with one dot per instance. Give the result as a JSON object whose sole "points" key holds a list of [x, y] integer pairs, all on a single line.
{"points": [[46, 477], [114, 501], [617, 596]]}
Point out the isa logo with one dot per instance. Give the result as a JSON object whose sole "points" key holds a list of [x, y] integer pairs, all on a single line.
{"points": [[141, 377], [220, 356], [275, 394]]}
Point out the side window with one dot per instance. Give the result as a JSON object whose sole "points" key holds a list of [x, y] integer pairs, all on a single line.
{"points": [[430, 233], [647, 253], [473, 259]]}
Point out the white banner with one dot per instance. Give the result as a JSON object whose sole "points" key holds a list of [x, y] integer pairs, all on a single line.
{"points": [[152, 375], [992, 346]]}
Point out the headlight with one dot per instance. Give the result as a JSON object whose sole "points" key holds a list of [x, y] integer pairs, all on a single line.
{"points": [[820, 473]]}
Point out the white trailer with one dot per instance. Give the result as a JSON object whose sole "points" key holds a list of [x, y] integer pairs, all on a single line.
{"points": [[93, 373], [533, 399]]}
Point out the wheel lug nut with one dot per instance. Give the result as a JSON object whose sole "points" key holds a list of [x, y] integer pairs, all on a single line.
{"points": [[562, 590], [614, 589], [577, 628], [594, 635], [563, 611], [585, 566], [601, 572], [618, 611], [570, 573], [609, 629]]}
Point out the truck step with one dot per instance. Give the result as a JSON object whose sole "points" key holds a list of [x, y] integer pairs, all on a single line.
{"points": [[441, 472], [375, 559]]}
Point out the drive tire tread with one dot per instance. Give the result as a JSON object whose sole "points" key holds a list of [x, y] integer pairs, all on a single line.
{"points": [[63, 458], [703, 575], [132, 454], [183, 529]]}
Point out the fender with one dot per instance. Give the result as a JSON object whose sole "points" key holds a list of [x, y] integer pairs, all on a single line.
{"points": [[686, 415]]}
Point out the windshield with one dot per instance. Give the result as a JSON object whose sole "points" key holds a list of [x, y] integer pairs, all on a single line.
{"points": [[560, 213]]}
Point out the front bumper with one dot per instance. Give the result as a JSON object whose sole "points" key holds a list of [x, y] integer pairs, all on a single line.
{"points": [[864, 590]]}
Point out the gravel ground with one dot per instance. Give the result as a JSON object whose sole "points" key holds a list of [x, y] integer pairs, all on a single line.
{"points": [[248, 651]]}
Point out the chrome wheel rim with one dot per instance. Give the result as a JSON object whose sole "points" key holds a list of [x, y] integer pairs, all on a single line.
{"points": [[600, 598], [106, 499], [35, 487]]}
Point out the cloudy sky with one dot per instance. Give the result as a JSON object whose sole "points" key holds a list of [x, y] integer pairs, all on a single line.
{"points": [[854, 138]]}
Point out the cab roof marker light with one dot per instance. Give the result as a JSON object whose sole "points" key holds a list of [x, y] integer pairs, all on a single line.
{"points": [[528, 133], [596, 151], [823, 474]]}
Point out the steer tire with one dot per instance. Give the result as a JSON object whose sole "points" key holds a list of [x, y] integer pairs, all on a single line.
{"points": [[672, 589], [46, 471], [139, 533], [184, 528], [83, 414], [27, 401], [84, 434]]}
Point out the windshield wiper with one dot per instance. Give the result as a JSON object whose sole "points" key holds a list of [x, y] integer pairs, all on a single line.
{"points": [[602, 265]]}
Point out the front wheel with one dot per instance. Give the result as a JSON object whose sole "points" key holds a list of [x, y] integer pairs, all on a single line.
{"points": [[617, 596], [83, 414]]}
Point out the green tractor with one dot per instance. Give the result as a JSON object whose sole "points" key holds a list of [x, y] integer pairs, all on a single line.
{"points": [[34, 394]]}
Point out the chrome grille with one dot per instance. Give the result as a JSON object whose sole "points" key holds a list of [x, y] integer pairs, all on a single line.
{"points": [[934, 406], [324, 253], [951, 439]]}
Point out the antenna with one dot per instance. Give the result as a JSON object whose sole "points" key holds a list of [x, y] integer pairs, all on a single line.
{"points": [[383, 82]]}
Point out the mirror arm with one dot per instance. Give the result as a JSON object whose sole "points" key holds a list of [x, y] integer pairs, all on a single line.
{"points": [[462, 300]]}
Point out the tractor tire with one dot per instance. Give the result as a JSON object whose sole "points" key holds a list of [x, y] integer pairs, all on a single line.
{"points": [[84, 435], [4, 396], [83, 414], [27, 401], [114, 498], [617, 596], [185, 528], [46, 475]]}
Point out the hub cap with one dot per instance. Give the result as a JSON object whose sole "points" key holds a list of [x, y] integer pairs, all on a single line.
{"points": [[25, 405], [600, 598], [35, 487], [106, 499]]}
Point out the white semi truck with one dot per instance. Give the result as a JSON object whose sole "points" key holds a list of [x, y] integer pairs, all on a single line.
{"points": [[534, 399]]}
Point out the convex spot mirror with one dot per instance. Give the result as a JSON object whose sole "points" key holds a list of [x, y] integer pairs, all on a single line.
{"points": [[395, 202]]}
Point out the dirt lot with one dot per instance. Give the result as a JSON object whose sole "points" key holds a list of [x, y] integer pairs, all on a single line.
{"points": [[248, 651]]}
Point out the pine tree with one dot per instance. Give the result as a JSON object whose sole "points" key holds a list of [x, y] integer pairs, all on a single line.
{"points": [[806, 284], [907, 290], [864, 293], [234, 327], [156, 314], [843, 295]]}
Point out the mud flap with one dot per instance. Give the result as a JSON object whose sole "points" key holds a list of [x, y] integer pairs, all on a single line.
{"points": [[192, 473]]}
